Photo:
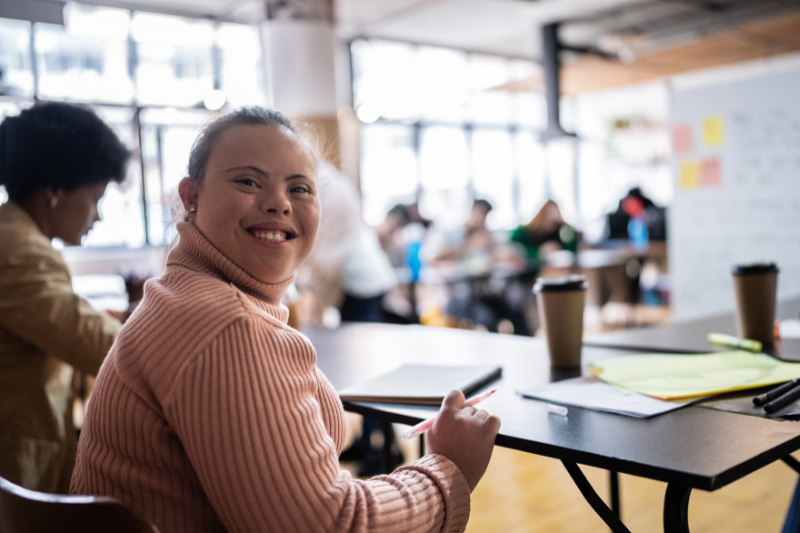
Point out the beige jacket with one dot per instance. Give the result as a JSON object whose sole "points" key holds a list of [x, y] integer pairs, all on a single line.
{"points": [[46, 331]]}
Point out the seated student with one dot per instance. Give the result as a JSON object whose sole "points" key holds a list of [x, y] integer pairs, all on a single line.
{"points": [[55, 162], [210, 414], [546, 231], [473, 239]]}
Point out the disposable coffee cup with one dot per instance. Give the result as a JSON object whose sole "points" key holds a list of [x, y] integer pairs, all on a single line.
{"points": [[561, 302], [755, 287]]}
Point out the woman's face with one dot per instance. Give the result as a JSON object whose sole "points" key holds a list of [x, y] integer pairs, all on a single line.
{"points": [[76, 212], [258, 201]]}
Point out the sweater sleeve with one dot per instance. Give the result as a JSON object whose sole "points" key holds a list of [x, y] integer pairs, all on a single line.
{"points": [[246, 413], [39, 306]]}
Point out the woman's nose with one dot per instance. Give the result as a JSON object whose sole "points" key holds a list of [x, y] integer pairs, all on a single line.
{"points": [[276, 202]]}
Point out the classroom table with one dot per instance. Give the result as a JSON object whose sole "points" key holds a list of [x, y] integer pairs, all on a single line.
{"points": [[691, 336], [692, 448]]}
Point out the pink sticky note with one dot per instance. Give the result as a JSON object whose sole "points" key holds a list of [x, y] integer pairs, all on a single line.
{"points": [[710, 172], [682, 139]]}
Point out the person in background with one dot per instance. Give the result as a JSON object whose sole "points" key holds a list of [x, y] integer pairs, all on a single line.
{"points": [[474, 239], [210, 413], [347, 267], [55, 163], [636, 203], [547, 231]]}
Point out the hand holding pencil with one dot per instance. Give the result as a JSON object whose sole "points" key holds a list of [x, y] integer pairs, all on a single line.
{"points": [[465, 435]]}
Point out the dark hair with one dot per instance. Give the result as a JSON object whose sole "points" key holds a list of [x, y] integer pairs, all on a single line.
{"points": [[244, 116], [483, 204], [60, 146], [401, 213]]}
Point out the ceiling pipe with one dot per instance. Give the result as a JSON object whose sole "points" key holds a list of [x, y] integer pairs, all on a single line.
{"points": [[551, 62]]}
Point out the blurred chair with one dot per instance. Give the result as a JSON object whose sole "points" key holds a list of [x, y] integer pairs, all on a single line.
{"points": [[27, 511]]}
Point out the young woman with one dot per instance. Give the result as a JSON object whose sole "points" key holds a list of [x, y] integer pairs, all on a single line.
{"points": [[209, 414], [55, 162]]}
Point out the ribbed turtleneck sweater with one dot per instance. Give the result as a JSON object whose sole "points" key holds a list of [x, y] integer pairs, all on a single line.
{"points": [[209, 414]]}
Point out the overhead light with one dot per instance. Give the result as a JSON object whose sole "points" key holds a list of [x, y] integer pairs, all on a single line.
{"points": [[368, 114], [214, 100]]}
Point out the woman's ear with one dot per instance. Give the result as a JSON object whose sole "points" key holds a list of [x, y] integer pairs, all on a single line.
{"points": [[187, 190]]}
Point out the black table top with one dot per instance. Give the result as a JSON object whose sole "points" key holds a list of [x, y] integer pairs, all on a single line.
{"points": [[694, 447], [691, 337]]}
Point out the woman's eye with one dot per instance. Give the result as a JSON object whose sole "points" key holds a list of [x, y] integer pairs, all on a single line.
{"points": [[303, 190], [248, 182]]}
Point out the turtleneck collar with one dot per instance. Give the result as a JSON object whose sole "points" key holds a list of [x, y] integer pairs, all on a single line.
{"points": [[196, 252]]}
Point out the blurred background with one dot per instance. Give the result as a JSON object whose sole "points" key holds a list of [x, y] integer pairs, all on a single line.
{"points": [[427, 105]]}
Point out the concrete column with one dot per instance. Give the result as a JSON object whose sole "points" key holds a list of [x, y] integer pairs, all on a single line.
{"points": [[305, 75]]}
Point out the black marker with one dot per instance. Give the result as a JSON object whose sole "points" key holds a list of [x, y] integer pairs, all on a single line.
{"points": [[774, 393], [782, 401]]}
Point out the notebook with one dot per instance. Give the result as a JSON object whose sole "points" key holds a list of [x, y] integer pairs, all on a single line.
{"points": [[421, 384]]}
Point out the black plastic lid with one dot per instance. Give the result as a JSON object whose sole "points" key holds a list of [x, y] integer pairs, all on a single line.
{"points": [[755, 268], [570, 283]]}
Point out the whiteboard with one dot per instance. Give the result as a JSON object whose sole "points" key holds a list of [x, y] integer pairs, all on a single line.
{"points": [[736, 169]]}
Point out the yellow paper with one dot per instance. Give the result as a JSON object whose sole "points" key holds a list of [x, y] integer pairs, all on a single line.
{"points": [[690, 175], [673, 376], [713, 131]]}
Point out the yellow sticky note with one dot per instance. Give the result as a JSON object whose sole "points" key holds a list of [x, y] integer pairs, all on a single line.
{"points": [[690, 175], [713, 131]]}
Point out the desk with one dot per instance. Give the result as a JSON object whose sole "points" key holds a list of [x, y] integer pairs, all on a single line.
{"points": [[693, 448], [691, 337]]}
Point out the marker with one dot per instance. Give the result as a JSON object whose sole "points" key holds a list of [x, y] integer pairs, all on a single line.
{"points": [[730, 340], [557, 409], [761, 399], [422, 427], [782, 401]]}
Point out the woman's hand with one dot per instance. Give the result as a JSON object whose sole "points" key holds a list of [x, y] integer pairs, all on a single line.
{"points": [[465, 435]]}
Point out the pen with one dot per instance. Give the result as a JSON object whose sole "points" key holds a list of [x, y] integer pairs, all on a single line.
{"points": [[422, 427], [761, 399], [730, 340], [782, 401]]}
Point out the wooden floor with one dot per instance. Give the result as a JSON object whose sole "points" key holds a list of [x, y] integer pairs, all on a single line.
{"points": [[524, 493]]}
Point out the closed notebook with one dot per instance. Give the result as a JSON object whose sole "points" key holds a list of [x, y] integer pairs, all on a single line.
{"points": [[421, 384]]}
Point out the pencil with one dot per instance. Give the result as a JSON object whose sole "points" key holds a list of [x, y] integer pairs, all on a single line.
{"points": [[422, 427]]}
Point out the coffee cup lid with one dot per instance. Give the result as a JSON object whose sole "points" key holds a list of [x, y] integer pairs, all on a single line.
{"points": [[570, 283], [755, 268]]}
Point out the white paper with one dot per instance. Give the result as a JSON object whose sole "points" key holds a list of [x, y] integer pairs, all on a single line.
{"points": [[591, 393]]}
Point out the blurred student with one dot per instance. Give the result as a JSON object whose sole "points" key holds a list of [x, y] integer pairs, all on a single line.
{"points": [[473, 239], [546, 232], [347, 267], [217, 418], [55, 162]]}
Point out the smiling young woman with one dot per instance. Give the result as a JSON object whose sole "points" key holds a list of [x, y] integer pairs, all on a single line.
{"points": [[210, 413]]}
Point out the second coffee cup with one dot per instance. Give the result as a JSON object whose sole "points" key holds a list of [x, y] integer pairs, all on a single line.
{"points": [[561, 302], [755, 287]]}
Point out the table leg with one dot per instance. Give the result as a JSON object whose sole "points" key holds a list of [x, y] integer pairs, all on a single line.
{"points": [[388, 440], [594, 500], [792, 462], [613, 478], [676, 509]]}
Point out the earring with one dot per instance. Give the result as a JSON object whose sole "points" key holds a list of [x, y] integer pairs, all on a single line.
{"points": [[192, 209], [53, 202]]}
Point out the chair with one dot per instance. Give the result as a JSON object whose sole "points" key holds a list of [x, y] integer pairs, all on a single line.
{"points": [[28, 511]]}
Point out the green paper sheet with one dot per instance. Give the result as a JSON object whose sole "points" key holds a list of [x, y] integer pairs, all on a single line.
{"points": [[674, 376]]}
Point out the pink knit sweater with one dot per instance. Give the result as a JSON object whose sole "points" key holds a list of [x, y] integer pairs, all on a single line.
{"points": [[209, 414]]}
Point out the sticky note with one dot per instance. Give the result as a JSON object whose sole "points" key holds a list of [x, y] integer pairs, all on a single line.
{"points": [[713, 131], [689, 175], [682, 139], [710, 172]]}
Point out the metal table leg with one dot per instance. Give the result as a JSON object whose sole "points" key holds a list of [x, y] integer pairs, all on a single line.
{"points": [[613, 478], [597, 503], [676, 509]]}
